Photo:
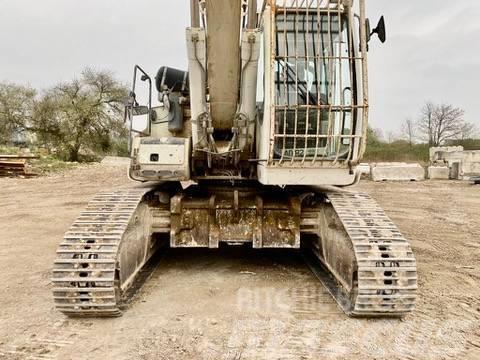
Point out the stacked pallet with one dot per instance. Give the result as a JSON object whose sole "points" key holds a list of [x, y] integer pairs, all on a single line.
{"points": [[15, 165]]}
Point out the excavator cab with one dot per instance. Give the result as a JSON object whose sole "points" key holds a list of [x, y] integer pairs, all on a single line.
{"points": [[316, 92]]}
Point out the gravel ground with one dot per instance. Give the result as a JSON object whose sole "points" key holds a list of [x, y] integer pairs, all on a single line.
{"points": [[237, 303]]}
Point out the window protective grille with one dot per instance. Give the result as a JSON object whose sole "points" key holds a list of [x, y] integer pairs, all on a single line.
{"points": [[319, 101]]}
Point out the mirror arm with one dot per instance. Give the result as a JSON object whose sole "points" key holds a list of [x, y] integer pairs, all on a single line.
{"points": [[129, 116]]}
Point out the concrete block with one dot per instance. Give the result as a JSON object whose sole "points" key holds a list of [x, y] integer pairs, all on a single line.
{"points": [[398, 172], [471, 163], [438, 173], [455, 170], [441, 153], [364, 168]]}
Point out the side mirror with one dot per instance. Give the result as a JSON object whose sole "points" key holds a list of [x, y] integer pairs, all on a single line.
{"points": [[380, 30]]}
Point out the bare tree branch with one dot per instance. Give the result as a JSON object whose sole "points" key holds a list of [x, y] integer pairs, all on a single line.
{"points": [[440, 123], [408, 130]]}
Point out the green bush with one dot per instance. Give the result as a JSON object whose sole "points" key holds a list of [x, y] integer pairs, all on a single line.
{"points": [[400, 151], [9, 150], [468, 144], [397, 151], [119, 148]]}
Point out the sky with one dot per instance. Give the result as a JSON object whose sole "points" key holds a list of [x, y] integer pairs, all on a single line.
{"points": [[431, 53]]}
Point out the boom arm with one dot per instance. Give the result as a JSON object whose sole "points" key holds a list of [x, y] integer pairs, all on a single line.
{"points": [[228, 76]]}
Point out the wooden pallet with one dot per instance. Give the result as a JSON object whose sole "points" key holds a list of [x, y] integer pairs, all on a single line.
{"points": [[15, 166]]}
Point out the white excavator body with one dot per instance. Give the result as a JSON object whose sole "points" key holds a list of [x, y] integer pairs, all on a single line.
{"points": [[252, 146], [309, 127]]}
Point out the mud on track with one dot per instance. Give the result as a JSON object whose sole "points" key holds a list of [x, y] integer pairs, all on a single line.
{"points": [[238, 303]]}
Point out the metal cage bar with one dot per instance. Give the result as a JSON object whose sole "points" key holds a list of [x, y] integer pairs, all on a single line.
{"points": [[320, 88]]}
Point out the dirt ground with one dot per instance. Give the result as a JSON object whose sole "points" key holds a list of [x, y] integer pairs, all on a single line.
{"points": [[236, 303]]}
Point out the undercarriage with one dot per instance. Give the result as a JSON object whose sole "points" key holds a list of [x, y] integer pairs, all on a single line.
{"points": [[346, 238]]}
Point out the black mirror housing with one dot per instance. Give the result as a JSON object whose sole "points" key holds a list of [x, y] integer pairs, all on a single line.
{"points": [[380, 30]]}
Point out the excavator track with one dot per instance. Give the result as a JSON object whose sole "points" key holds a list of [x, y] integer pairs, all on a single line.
{"points": [[86, 272], [112, 240], [386, 281]]}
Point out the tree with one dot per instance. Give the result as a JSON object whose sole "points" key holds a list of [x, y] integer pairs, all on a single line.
{"points": [[440, 123], [468, 131], [408, 130], [391, 137], [425, 124], [16, 106], [374, 136], [83, 114]]}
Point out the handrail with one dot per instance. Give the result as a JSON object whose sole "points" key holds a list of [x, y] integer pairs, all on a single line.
{"points": [[129, 107]]}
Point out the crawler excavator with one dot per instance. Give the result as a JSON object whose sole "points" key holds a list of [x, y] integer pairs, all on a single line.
{"points": [[254, 145]]}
